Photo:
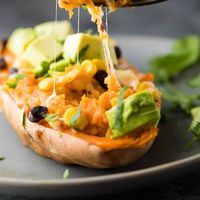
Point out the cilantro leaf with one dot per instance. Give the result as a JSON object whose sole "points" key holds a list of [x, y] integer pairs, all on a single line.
{"points": [[2, 158], [195, 127], [190, 144], [75, 117], [194, 111], [185, 53], [119, 109], [66, 174], [195, 82], [23, 117], [178, 98], [51, 117]]}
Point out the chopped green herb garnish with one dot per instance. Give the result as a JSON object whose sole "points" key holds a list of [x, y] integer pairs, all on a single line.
{"points": [[195, 128], [75, 117], [66, 174], [194, 111], [2, 158], [23, 117], [185, 53], [190, 144], [118, 117], [195, 125], [178, 98], [51, 117], [15, 80], [195, 82]]}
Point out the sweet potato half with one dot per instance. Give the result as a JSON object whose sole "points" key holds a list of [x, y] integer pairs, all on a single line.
{"points": [[72, 148]]}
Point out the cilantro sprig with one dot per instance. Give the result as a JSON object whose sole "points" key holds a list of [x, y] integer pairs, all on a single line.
{"points": [[75, 117], [184, 54], [195, 82], [195, 128], [119, 109], [179, 98]]}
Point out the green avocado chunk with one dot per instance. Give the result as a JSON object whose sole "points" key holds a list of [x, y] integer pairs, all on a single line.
{"points": [[20, 39], [85, 46], [139, 111], [60, 29], [44, 49]]}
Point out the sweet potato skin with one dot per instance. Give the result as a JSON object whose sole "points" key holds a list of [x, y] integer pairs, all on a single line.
{"points": [[63, 147]]}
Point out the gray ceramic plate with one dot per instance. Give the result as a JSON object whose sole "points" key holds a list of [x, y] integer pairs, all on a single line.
{"points": [[25, 173]]}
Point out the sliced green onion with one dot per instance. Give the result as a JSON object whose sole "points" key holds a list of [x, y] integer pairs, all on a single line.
{"points": [[51, 117]]}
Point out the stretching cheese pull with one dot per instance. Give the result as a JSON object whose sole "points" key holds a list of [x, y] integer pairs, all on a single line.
{"points": [[125, 3], [97, 14]]}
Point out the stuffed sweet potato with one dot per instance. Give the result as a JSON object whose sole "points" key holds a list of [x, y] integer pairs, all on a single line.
{"points": [[65, 105]]}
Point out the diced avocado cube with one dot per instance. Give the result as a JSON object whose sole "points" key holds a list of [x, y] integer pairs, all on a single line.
{"points": [[85, 46], [44, 49], [59, 66], [139, 112], [60, 29], [20, 39]]}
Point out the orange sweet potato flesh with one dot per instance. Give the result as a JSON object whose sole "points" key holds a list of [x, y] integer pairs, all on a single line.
{"points": [[77, 148]]}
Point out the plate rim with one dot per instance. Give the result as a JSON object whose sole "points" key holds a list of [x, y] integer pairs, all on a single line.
{"points": [[162, 168], [170, 166]]}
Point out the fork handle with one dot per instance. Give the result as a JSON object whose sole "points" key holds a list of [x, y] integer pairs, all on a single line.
{"points": [[127, 3]]}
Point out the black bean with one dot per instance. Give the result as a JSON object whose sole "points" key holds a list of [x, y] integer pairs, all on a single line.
{"points": [[13, 70], [37, 113], [118, 52], [3, 64], [100, 77]]}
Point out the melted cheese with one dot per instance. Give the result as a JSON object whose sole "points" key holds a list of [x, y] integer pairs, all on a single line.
{"points": [[97, 14], [54, 94]]}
